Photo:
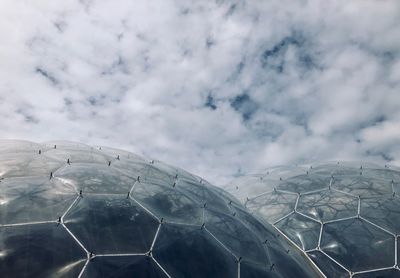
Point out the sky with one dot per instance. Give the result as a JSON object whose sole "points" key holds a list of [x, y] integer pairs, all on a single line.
{"points": [[219, 88]]}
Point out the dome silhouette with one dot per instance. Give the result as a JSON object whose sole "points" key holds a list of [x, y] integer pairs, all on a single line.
{"points": [[344, 216], [71, 210]]}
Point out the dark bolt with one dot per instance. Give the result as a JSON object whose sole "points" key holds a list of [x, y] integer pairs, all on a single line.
{"points": [[240, 258], [68, 161], [51, 175], [109, 163], [174, 184], [55, 146], [138, 178], [203, 225], [161, 220], [40, 151], [80, 192], [118, 157], [205, 205], [59, 219], [280, 178], [234, 214], [127, 196]]}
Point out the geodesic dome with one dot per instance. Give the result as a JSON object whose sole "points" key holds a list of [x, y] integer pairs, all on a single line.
{"points": [[70, 210], [344, 216]]}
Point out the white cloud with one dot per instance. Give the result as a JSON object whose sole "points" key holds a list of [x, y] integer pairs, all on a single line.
{"points": [[218, 88]]}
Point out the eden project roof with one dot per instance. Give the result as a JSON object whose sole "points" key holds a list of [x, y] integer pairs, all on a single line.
{"points": [[71, 210], [344, 216]]}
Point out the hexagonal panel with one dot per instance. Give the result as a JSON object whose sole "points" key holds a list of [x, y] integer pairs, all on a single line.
{"points": [[388, 273], [398, 250], [75, 155], [40, 250], [111, 224], [236, 237], [304, 183], [123, 266], [272, 206], [358, 245], [328, 205], [259, 185], [329, 267], [384, 212], [99, 179], [362, 186], [153, 174], [301, 230], [249, 270], [33, 199], [27, 164], [382, 173], [187, 251], [168, 203]]}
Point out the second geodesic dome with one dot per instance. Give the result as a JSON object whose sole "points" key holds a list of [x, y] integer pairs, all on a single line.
{"points": [[71, 210], [344, 216]]}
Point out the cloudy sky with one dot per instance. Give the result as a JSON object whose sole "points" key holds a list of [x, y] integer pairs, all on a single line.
{"points": [[219, 88]]}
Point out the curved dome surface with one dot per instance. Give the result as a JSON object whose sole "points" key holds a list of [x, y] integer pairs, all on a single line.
{"points": [[71, 210], [344, 216]]}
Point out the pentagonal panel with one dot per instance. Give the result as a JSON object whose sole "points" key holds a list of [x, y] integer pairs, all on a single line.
{"points": [[362, 186], [187, 251], [33, 199], [301, 230], [98, 178], [41, 250], [168, 203], [304, 183], [328, 205], [111, 224], [358, 245], [272, 206], [328, 266], [384, 211], [236, 237], [123, 266]]}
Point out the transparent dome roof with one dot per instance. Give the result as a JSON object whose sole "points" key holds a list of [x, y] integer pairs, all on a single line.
{"points": [[71, 210], [344, 216]]}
